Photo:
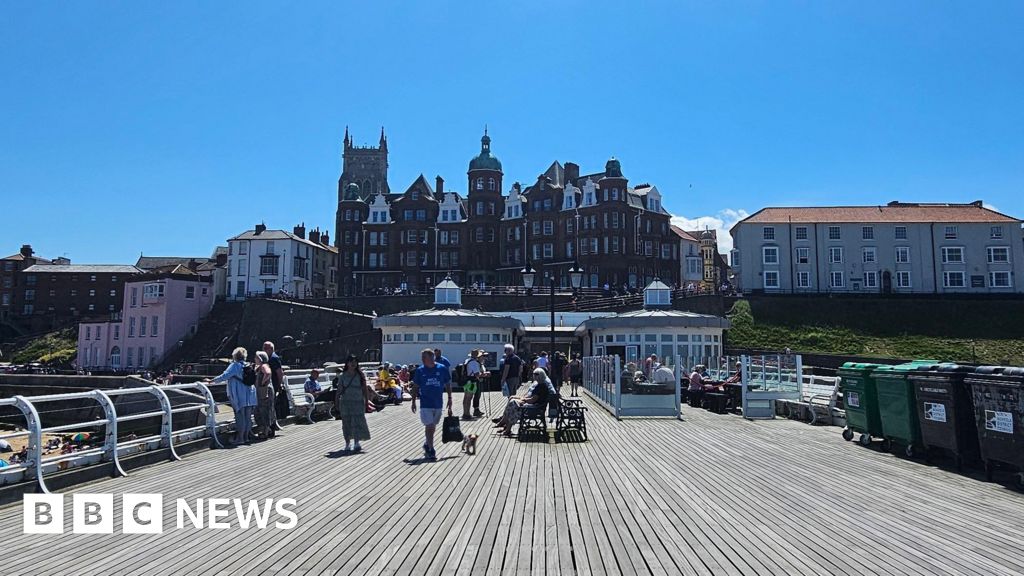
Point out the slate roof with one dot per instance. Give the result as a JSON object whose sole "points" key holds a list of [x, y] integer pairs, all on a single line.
{"points": [[84, 269], [894, 212]]}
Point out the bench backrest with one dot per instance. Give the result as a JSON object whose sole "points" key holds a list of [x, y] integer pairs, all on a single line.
{"points": [[819, 385]]}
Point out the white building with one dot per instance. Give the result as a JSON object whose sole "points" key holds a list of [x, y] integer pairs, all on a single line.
{"points": [[691, 261], [455, 331], [657, 329], [896, 248], [271, 262]]}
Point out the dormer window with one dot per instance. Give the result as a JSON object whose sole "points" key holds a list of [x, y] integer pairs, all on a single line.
{"points": [[490, 183], [657, 295], [447, 294], [415, 195]]}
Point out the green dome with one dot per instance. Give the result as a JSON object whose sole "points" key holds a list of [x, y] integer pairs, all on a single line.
{"points": [[612, 168], [485, 161], [352, 192]]}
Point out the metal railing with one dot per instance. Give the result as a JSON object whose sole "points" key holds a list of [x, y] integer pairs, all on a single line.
{"points": [[38, 464]]}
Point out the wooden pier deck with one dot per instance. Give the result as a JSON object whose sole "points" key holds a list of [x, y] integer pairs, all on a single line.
{"points": [[712, 494]]}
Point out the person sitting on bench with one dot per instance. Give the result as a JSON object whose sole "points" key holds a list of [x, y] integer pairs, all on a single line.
{"points": [[321, 396], [537, 395]]}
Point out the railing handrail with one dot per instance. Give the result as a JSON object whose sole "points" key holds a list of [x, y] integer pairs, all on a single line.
{"points": [[110, 450]]}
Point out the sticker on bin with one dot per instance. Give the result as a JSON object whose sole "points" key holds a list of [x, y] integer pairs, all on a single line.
{"points": [[999, 421], [934, 412], [853, 399]]}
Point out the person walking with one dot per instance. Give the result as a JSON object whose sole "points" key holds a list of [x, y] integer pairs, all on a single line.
{"points": [[353, 395], [575, 369], [241, 394], [441, 360], [430, 381], [265, 416], [475, 373], [277, 378], [511, 369], [556, 373]]}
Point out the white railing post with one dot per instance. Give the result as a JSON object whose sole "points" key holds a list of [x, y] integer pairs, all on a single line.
{"points": [[110, 442], [35, 440], [211, 413], [167, 424], [618, 389], [677, 372]]}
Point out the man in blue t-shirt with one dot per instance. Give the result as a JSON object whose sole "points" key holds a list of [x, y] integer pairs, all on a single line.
{"points": [[440, 359], [430, 381]]}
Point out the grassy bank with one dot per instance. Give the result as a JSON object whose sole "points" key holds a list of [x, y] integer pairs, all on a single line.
{"points": [[808, 334], [56, 348]]}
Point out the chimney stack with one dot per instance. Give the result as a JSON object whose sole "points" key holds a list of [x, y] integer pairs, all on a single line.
{"points": [[572, 173], [26, 250], [300, 230], [440, 187], [261, 228], [325, 239]]}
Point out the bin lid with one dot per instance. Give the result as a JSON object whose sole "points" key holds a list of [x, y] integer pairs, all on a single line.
{"points": [[902, 369], [860, 366], [1013, 371], [953, 367], [925, 362], [989, 369]]}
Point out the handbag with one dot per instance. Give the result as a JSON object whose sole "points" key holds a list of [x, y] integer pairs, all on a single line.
{"points": [[450, 430]]}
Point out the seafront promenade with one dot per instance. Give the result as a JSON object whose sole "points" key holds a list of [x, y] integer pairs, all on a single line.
{"points": [[711, 494]]}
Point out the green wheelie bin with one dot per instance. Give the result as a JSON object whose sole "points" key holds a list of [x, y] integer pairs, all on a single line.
{"points": [[897, 405], [860, 401]]}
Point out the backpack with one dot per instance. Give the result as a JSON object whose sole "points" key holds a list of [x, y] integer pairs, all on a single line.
{"points": [[460, 377], [249, 375]]}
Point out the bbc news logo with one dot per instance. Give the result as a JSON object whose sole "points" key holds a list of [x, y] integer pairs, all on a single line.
{"points": [[144, 514]]}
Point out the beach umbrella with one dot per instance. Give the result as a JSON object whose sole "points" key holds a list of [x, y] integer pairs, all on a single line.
{"points": [[81, 436], [3, 463]]}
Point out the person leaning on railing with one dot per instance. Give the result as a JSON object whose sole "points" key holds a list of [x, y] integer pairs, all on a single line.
{"points": [[241, 396]]}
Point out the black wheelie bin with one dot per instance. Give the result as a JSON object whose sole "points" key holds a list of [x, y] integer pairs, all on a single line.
{"points": [[945, 412], [998, 396]]}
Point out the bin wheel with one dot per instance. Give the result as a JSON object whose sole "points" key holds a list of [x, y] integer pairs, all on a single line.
{"points": [[886, 445], [847, 434], [864, 440], [910, 451], [1018, 480]]}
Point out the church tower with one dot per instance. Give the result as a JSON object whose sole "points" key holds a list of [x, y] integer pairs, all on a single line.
{"points": [[366, 166]]}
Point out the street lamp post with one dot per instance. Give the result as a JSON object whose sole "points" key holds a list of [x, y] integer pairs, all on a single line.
{"points": [[530, 276]]}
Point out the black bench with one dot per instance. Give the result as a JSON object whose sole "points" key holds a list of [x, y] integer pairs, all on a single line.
{"points": [[571, 424], [570, 421]]}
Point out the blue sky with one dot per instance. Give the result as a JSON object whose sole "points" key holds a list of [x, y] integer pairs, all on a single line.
{"points": [[166, 127]]}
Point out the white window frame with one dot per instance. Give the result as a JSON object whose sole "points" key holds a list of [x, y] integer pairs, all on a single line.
{"points": [[838, 233], [992, 279], [867, 232], [948, 274], [797, 234], [951, 232], [765, 250], [832, 279], [873, 275], [991, 252], [896, 233], [904, 274], [768, 233], [803, 255], [771, 274], [869, 250], [832, 251], [803, 279], [905, 250], [947, 251], [995, 232]]}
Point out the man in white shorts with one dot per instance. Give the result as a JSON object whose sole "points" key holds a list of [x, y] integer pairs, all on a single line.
{"points": [[429, 383]]}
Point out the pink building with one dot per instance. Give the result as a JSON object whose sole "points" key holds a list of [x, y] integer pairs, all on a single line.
{"points": [[161, 309]]}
